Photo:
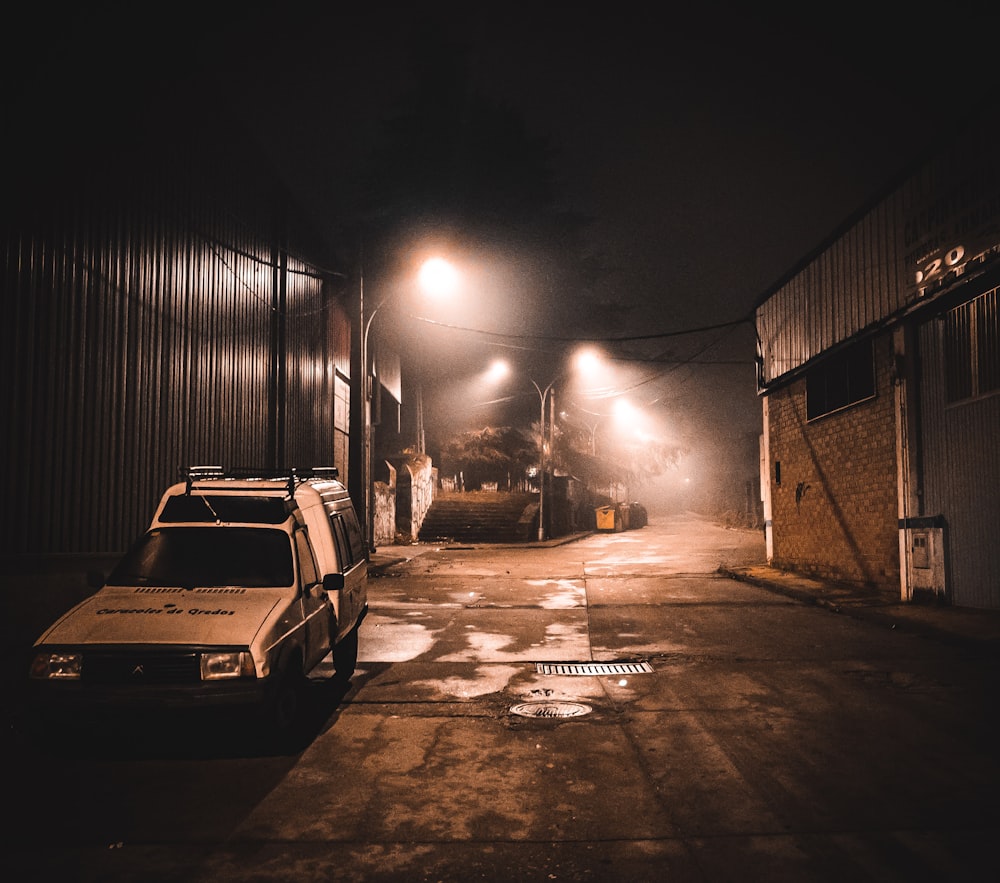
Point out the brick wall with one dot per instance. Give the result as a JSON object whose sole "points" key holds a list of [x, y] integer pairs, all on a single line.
{"points": [[834, 513]]}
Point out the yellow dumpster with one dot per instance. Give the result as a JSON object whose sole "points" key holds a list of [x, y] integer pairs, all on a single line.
{"points": [[606, 517]]}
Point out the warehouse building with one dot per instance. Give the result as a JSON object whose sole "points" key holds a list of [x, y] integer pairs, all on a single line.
{"points": [[879, 373]]}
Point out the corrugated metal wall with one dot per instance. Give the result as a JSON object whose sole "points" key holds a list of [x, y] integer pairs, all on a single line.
{"points": [[853, 284], [940, 222], [156, 316], [962, 474]]}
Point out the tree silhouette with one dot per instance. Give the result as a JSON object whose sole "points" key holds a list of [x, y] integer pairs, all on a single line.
{"points": [[501, 454]]}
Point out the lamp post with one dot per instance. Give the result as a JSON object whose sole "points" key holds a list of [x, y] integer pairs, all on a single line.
{"points": [[497, 371], [549, 393], [366, 405], [591, 427], [435, 276]]}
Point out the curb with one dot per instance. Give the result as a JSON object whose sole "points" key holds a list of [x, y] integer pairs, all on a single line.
{"points": [[387, 560], [947, 624]]}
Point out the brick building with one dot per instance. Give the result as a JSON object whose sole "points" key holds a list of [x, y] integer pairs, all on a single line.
{"points": [[879, 372]]}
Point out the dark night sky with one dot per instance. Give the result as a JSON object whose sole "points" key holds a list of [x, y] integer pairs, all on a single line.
{"points": [[714, 148]]}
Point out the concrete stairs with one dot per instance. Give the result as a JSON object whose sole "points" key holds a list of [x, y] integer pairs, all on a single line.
{"points": [[481, 517]]}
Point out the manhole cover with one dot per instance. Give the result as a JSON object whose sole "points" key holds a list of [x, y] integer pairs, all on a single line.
{"points": [[593, 668], [550, 709]]}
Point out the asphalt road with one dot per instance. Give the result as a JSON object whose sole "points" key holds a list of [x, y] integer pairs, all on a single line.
{"points": [[612, 709]]}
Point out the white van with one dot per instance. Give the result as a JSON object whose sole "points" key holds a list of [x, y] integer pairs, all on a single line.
{"points": [[241, 586]]}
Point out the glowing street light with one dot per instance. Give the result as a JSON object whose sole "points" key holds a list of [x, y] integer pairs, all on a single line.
{"points": [[589, 364], [497, 371], [627, 415], [436, 277]]}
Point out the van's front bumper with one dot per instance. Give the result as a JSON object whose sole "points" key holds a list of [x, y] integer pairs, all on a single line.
{"points": [[81, 701]]}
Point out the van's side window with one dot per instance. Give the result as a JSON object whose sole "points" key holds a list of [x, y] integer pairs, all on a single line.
{"points": [[344, 555], [353, 529], [307, 565]]}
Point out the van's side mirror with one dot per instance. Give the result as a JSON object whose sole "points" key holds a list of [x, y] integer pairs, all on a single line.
{"points": [[333, 582]]}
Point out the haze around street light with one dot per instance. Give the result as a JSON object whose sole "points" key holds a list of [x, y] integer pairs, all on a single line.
{"points": [[438, 278]]}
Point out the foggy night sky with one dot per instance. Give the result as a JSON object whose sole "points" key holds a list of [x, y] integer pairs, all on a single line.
{"points": [[714, 148]]}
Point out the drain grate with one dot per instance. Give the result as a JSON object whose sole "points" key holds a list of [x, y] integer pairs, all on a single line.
{"points": [[593, 668]]}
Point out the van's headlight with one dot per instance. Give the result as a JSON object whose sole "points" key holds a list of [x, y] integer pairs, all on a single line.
{"points": [[56, 665], [227, 664]]}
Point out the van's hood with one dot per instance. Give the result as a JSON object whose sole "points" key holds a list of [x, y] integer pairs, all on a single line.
{"points": [[118, 615]]}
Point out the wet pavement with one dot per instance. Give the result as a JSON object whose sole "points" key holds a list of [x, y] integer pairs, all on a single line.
{"points": [[943, 621], [939, 620], [647, 706]]}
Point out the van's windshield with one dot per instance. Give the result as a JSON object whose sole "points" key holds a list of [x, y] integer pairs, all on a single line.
{"points": [[207, 556]]}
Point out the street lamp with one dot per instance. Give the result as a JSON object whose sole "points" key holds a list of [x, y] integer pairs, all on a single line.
{"points": [[549, 393], [589, 425], [366, 404], [497, 371], [436, 276]]}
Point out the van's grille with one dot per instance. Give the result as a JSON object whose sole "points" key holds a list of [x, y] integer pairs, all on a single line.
{"points": [[141, 667]]}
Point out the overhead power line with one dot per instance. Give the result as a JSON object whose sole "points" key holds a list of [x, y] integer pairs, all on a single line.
{"points": [[605, 339]]}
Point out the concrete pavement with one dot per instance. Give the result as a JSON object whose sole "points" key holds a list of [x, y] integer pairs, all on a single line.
{"points": [[942, 621], [738, 756]]}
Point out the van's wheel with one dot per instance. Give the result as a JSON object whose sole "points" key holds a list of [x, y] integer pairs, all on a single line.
{"points": [[345, 656]]}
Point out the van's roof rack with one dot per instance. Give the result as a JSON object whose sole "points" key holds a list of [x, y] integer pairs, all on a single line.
{"points": [[199, 473], [290, 475], [331, 472]]}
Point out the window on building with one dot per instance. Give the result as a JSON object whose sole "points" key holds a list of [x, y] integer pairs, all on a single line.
{"points": [[842, 379], [972, 348]]}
